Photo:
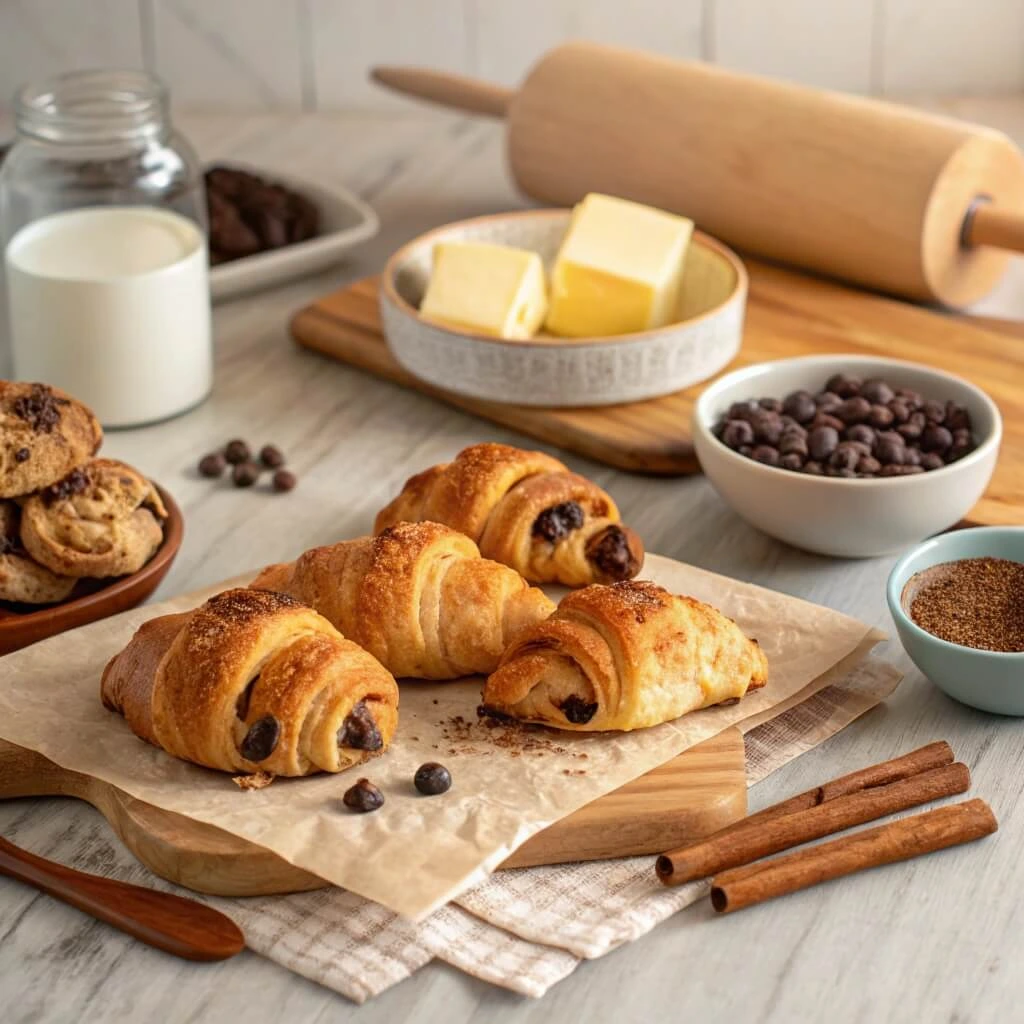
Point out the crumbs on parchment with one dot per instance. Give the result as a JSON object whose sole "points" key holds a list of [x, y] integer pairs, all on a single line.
{"points": [[258, 780]]}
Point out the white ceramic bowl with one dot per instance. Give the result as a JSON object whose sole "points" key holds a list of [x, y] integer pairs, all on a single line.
{"points": [[563, 371], [345, 221], [845, 517]]}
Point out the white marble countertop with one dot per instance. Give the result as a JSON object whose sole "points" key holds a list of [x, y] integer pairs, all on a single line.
{"points": [[936, 940]]}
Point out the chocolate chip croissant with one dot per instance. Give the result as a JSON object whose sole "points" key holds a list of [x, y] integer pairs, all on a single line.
{"points": [[253, 681], [418, 597], [625, 656], [527, 510]]}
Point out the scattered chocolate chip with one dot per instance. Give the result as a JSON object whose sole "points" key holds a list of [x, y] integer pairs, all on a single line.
{"points": [[75, 482], [432, 779], [359, 730], [363, 797], [212, 465], [284, 480], [237, 452], [271, 456], [22, 455], [40, 408], [577, 710], [245, 474], [556, 523], [261, 740]]}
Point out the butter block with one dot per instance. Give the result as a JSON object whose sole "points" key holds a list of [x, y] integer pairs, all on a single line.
{"points": [[496, 290], [619, 269]]}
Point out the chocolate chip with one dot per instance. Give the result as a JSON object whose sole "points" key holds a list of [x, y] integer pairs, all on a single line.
{"points": [[555, 523], [271, 456], [577, 710], [860, 432], [868, 466], [822, 442], [237, 452], [844, 458], [765, 454], [853, 410], [40, 408], [245, 474], [261, 739], [881, 416], [936, 439], [900, 409], [432, 779], [284, 480], [363, 797], [610, 553], [843, 385], [737, 433], [914, 426], [931, 460], [767, 428], [890, 452], [75, 482], [359, 730], [876, 391], [792, 461], [801, 406], [935, 412], [212, 465]]}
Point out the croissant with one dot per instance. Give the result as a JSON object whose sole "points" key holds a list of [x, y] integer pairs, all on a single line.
{"points": [[527, 510], [253, 681], [625, 657], [418, 597]]}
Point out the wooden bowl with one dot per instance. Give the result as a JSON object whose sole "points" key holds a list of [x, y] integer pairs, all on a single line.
{"points": [[21, 625], [553, 371]]}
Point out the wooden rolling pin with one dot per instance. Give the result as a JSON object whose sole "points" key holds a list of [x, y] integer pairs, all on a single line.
{"points": [[886, 197]]}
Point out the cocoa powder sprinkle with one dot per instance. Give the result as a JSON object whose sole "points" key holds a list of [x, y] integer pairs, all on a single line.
{"points": [[974, 602]]}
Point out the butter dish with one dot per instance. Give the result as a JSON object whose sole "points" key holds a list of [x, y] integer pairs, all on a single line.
{"points": [[560, 371]]}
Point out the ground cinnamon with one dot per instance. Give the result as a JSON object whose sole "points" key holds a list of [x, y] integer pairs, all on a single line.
{"points": [[885, 844], [755, 838]]}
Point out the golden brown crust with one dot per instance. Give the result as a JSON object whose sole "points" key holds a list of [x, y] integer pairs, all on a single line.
{"points": [[44, 434], [524, 509], [624, 656], [103, 519], [418, 597], [208, 685]]}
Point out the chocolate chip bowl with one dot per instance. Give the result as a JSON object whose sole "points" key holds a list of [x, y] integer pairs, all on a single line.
{"points": [[844, 455]]}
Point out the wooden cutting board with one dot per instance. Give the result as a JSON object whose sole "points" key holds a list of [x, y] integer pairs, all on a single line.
{"points": [[788, 314], [695, 794]]}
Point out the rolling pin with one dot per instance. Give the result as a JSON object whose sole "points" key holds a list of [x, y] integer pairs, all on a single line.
{"points": [[908, 203]]}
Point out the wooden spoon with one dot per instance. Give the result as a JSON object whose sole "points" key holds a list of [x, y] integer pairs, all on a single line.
{"points": [[172, 923]]}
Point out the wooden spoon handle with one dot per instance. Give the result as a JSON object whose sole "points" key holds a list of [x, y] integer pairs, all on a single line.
{"points": [[176, 925], [457, 91]]}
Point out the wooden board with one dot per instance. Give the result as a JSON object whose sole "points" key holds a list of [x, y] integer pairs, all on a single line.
{"points": [[788, 314], [696, 793]]}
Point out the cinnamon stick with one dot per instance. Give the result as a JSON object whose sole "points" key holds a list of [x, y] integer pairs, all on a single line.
{"points": [[883, 844], [760, 836]]}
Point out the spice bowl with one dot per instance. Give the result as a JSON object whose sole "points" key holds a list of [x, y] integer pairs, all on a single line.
{"points": [[847, 518], [987, 680]]}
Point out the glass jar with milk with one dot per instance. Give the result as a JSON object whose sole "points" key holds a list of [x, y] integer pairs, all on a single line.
{"points": [[103, 217]]}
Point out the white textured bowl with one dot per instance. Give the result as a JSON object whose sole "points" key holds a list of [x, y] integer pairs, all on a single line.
{"points": [[563, 371], [836, 516]]}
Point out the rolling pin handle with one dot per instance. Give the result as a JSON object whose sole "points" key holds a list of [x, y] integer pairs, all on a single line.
{"points": [[988, 224], [456, 91]]}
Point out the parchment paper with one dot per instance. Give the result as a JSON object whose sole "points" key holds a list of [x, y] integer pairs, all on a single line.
{"points": [[416, 853]]}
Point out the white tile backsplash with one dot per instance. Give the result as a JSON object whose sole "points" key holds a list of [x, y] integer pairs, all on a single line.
{"points": [[310, 54]]}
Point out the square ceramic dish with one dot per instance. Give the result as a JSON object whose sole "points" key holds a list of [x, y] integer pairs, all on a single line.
{"points": [[554, 371], [345, 221]]}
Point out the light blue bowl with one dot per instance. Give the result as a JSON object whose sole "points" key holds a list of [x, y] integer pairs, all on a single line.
{"points": [[988, 680]]}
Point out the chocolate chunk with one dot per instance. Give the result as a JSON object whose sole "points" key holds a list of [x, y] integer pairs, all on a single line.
{"points": [[212, 465], [40, 408], [801, 406], [245, 474], [75, 482], [822, 442], [555, 523], [359, 730], [432, 779], [22, 455], [577, 710], [363, 797], [237, 452], [271, 456], [244, 699], [611, 554], [284, 480], [262, 738], [737, 433]]}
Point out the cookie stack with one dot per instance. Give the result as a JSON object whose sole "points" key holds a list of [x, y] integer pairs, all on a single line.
{"points": [[65, 515]]}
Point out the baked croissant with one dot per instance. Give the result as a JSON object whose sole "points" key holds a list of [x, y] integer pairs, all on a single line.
{"points": [[625, 656], [527, 510], [253, 681], [418, 597]]}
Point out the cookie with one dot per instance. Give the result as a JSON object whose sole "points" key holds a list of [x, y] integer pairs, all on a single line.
{"points": [[102, 519], [44, 434], [22, 579]]}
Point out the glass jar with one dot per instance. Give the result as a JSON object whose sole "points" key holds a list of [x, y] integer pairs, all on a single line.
{"points": [[105, 139]]}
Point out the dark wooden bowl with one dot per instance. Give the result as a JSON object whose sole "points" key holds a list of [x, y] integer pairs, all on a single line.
{"points": [[21, 625]]}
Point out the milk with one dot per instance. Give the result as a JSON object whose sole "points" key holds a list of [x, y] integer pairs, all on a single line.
{"points": [[112, 304]]}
